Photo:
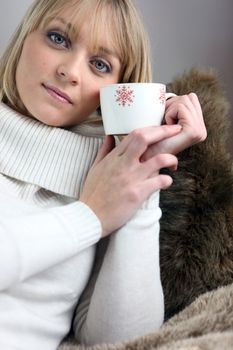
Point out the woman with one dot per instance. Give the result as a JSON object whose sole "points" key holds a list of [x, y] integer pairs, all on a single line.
{"points": [[60, 192]]}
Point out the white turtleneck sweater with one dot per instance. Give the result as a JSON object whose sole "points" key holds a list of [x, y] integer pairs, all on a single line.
{"points": [[48, 240]]}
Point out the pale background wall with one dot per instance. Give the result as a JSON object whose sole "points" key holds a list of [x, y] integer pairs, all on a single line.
{"points": [[184, 33]]}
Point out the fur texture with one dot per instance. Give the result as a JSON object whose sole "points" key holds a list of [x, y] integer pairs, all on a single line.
{"points": [[196, 238], [206, 324]]}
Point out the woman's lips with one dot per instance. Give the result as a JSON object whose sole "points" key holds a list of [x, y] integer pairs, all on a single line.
{"points": [[57, 94]]}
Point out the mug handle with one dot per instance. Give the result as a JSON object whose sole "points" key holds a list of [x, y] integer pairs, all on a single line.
{"points": [[169, 95]]}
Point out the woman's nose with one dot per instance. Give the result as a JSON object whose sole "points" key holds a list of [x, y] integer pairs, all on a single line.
{"points": [[69, 72]]}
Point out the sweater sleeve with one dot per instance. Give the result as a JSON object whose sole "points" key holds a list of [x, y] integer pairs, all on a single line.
{"points": [[125, 299], [32, 243]]}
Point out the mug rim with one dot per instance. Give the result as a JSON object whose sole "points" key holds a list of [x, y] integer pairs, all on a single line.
{"points": [[130, 84]]}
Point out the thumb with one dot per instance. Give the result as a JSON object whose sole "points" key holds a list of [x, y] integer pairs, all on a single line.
{"points": [[107, 146]]}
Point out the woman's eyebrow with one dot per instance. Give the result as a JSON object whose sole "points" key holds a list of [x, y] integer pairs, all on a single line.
{"points": [[108, 52], [67, 24], [63, 21]]}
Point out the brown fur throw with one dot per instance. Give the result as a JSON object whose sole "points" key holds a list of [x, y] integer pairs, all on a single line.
{"points": [[196, 239], [207, 324]]}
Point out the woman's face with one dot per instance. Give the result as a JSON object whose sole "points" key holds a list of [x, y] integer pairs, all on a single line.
{"points": [[58, 79]]}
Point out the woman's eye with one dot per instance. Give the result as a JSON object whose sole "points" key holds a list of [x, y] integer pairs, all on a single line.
{"points": [[58, 39], [101, 66]]}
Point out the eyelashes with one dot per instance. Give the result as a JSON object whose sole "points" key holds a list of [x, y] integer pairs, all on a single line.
{"points": [[59, 39], [100, 65], [62, 41]]}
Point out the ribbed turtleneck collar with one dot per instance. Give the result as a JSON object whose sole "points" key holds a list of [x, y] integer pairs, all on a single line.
{"points": [[53, 158]]}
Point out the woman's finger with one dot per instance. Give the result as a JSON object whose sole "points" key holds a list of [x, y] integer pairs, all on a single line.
{"points": [[174, 111], [136, 143], [153, 165], [106, 147], [159, 182]]}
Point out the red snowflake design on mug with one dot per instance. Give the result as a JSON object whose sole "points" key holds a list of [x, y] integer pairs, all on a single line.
{"points": [[162, 97], [124, 96]]}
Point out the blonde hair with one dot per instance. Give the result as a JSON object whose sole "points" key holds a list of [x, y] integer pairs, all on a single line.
{"points": [[129, 39]]}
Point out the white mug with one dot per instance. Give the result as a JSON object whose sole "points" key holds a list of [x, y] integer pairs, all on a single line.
{"points": [[130, 106]]}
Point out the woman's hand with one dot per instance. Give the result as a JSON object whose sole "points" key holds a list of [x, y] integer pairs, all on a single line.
{"points": [[186, 111], [119, 181]]}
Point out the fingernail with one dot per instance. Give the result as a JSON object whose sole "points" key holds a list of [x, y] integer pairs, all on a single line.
{"points": [[176, 126]]}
